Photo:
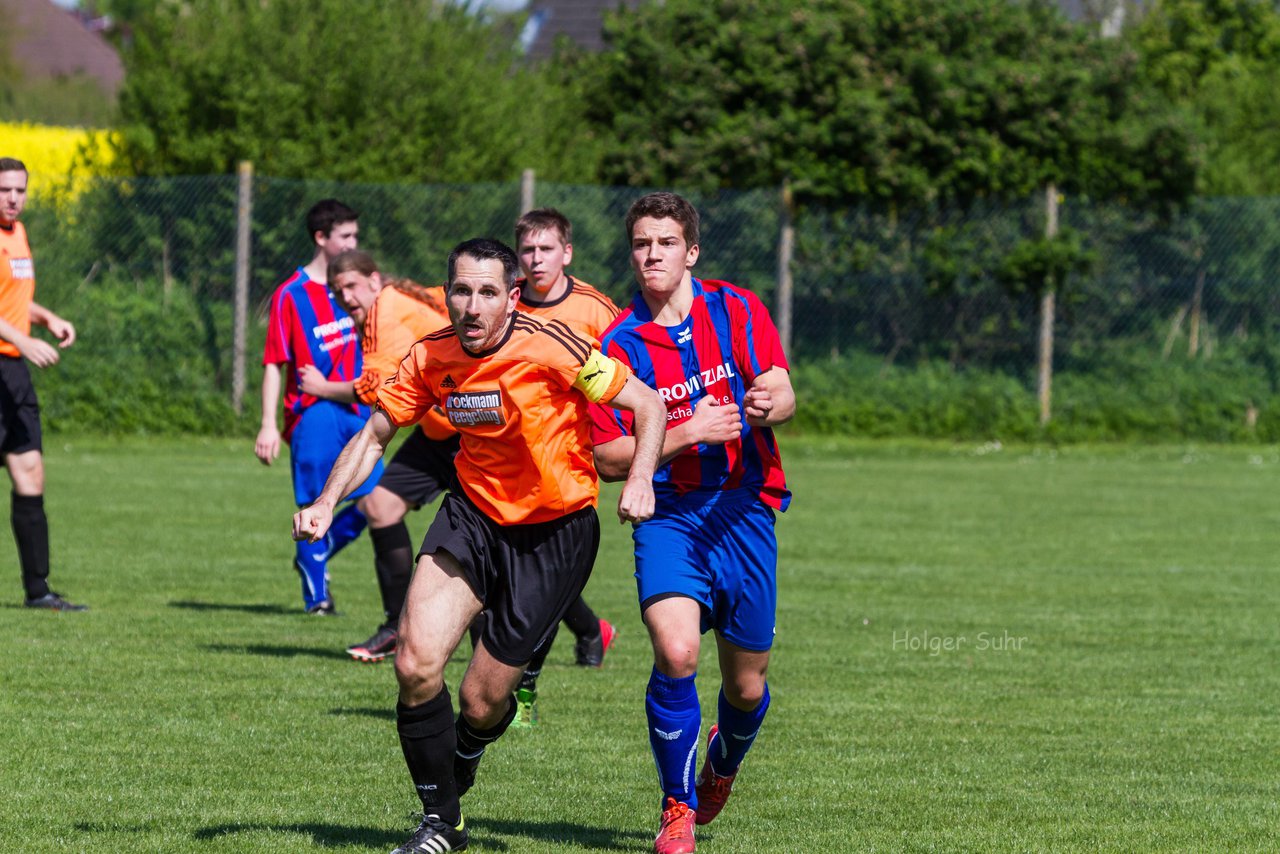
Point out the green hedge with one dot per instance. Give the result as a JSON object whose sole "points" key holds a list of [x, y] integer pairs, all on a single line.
{"points": [[1139, 397]]}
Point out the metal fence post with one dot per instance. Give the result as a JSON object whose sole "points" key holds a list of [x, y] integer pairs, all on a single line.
{"points": [[244, 214], [786, 248], [527, 186], [1044, 380]]}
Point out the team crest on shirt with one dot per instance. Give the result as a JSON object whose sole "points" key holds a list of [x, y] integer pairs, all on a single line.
{"points": [[468, 408]]}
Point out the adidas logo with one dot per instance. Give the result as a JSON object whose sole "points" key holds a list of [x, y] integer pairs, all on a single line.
{"points": [[448, 382]]}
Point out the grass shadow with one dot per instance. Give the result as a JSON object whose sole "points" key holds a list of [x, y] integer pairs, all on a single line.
{"points": [[381, 714], [246, 607], [586, 836], [326, 835], [278, 651]]}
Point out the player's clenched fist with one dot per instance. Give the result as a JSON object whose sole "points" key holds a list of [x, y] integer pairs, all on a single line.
{"points": [[312, 523], [758, 401], [715, 423]]}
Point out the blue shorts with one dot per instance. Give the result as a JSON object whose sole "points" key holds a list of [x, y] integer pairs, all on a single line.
{"points": [[719, 549], [321, 433]]}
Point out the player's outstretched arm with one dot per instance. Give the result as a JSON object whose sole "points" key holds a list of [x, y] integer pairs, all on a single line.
{"points": [[267, 446], [770, 401], [352, 468], [712, 424], [636, 503]]}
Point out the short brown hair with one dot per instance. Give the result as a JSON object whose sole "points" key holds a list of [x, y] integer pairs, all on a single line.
{"points": [[665, 205], [10, 164], [544, 219]]}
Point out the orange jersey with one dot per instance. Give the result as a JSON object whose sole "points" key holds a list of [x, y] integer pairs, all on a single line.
{"points": [[521, 408], [397, 319], [17, 283], [585, 309]]}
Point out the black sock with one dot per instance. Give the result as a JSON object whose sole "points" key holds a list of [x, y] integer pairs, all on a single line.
{"points": [[581, 620], [393, 562], [533, 669], [428, 741], [31, 531], [471, 741]]}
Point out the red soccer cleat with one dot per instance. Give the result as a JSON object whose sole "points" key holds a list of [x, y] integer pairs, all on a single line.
{"points": [[676, 835], [713, 790]]}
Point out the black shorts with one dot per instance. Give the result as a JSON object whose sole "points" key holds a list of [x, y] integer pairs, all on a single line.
{"points": [[422, 468], [527, 576], [19, 409]]}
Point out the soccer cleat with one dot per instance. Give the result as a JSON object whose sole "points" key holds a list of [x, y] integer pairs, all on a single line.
{"points": [[381, 645], [526, 708], [53, 602], [713, 790], [323, 608], [464, 771], [676, 833], [590, 651], [435, 836]]}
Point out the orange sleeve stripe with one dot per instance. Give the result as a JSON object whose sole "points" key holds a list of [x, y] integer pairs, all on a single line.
{"points": [[560, 332]]}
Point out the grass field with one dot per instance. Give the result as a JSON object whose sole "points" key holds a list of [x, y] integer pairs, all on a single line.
{"points": [[978, 649]]}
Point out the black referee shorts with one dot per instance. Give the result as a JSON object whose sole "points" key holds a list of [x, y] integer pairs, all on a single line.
{"points": [[527, 576], [421, 469], [19, 408]]}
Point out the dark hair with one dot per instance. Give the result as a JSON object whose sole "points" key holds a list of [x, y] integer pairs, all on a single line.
{"points": [[544, 219], [665, 206], [485, 249], [352, 259], [326, 214], [9, 164]]}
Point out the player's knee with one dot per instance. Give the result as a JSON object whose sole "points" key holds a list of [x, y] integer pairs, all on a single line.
{"points": [[418, 671], [483, 709], [676, 658], [383, 508], [744, 692]]}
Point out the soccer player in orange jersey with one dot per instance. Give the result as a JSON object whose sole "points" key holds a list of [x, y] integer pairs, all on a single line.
{"points": [[544, 242], [391, 315], [518, 539], [20, 435]]}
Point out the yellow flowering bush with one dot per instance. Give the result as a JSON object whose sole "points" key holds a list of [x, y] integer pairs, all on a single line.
{"points": [[61, 160]]}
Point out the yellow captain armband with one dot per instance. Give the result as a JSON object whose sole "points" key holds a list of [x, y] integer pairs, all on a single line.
{"points": [[596, 377]]}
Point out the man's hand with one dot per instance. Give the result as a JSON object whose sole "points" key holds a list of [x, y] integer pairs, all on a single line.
{"points": [[62, 330], [267, 445], [636, 503], [758, 402], [40, 353], [310, 380], [714, 423], [312, 523]]}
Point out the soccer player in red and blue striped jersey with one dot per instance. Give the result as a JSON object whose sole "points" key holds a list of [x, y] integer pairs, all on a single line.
{"points": [[708, 557], [307, 327]]}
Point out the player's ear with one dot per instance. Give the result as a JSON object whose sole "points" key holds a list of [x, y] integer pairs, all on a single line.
{"points": [[375, 279], [568, 253], [691, 257]]}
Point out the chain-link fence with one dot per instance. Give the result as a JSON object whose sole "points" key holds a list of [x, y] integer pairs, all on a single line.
{"points": [[146, 268]]}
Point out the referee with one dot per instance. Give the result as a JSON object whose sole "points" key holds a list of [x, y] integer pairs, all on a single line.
{"points": [[20, 440]]}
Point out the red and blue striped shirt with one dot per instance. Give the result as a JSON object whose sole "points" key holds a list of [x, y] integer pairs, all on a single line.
{"points": [[306, 326], [727, 340]]}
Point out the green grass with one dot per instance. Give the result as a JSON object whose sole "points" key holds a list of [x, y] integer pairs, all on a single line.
{"points": [[195, 709]]}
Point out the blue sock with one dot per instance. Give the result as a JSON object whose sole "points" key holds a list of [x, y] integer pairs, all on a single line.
{"points": [[346, 526], [737, 732], [312, 561], [674, 721]]}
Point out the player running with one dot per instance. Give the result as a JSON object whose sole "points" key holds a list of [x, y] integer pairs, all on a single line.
{"points": [[518, 539], [708, 557]]}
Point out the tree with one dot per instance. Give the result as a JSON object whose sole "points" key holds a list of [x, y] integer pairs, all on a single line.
{"points": [[356, 90]]}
